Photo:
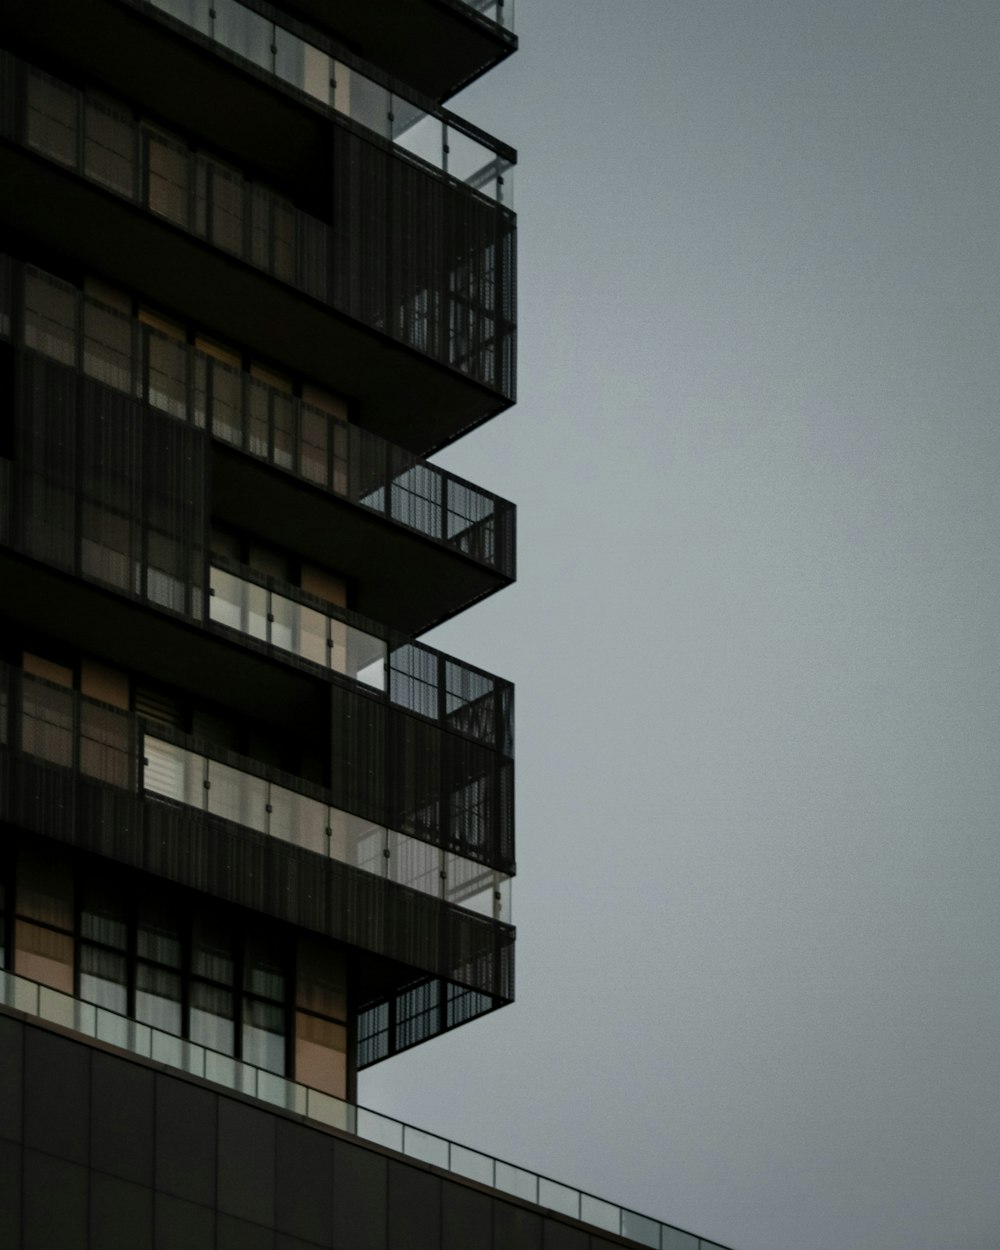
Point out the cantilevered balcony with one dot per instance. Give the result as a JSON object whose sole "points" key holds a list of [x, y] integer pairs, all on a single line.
{"points": [[137, 792], [419, 543], [440, 47], [409, 290]]}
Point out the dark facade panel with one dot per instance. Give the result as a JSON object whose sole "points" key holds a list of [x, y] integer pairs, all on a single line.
{"points": [[11, 1080], [122, 1120], [303, 1192], [186, 1133], [121, 1214], [281, 1182], [180, 1225], [245, 1166], [47, 1223], [414, 1209], [57, 1110]]}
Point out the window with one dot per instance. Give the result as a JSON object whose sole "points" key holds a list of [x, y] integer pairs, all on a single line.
{"points": [[196, 976]]}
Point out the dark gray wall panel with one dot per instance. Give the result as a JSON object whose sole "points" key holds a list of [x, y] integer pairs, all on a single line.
{"points": [[11, 1079], [304, 1184], [414, 1208], [56, 1096], [10, 1194], [246, 1162], [360, 1184], [515, 1229], [48, 1224], [121, 1129], [466, 1218], [121, 1214], [557, 1236], [185, 1140], [235, 1234], [180, 1225]]}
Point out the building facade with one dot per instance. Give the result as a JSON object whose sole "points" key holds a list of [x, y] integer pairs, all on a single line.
{"points": [[255, 835]]}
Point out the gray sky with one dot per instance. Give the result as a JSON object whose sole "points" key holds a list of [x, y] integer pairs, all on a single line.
{"points": [[755, 632]]}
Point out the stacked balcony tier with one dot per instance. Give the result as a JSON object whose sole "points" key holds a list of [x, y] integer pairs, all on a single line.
{"points": [[399, 284]]}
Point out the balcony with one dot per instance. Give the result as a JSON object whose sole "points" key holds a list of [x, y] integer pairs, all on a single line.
{"points": [[437, 46], [419, 543], [135, 791], [146, 210], [409, 675]]}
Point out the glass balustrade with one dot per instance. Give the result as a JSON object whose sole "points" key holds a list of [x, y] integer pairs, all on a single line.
{"points": [[434, 136], [410, 675], [186, 776], [67, 1011], [452, 308], [64, 728]]}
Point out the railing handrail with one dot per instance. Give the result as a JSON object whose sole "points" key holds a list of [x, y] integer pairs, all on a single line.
{"points": [[457, 866], [330, 47], [66, 1010], [392, 637]]}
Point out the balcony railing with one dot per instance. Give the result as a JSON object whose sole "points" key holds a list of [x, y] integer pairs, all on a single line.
{"points": [[411, 675], [333, 77], [120, 749], [269, 424], [174, 1052], [64, 728], [447, 298]]}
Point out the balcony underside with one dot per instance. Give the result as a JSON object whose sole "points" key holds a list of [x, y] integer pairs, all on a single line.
{"points": [[118, 50], [94, 231], [399, 577], [133, 635], [437, 48]]}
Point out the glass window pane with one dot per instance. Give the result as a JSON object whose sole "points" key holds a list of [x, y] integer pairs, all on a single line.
{"points": [[47, 723], [264, 1036], [107, 346], [105, 740], [158, 997], [168, 173], [225, 206], [166, 374], [109, 146], [314, 445], [50, 317], [52, 117], [158, 937], [211, 1017], [103, 978], [263, 972], [212, 953]]}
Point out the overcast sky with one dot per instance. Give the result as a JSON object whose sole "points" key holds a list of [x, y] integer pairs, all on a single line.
{"points": [[755, 631]]}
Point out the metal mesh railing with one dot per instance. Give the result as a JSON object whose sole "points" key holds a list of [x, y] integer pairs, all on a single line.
{"points": [[265, 422]]}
